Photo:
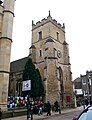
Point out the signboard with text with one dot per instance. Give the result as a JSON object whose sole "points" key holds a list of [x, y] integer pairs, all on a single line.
{"points": [[26, 85]]}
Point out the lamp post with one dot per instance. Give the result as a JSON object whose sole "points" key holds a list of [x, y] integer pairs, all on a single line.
{"points": [[89, 83], [59, 94], [75, 93], [61, 97], [62, 92]]}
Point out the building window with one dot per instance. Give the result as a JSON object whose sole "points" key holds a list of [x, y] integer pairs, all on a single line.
{"points": [[40, 35], [57, 36], [40, 53], [17, 86], [84, 82]]}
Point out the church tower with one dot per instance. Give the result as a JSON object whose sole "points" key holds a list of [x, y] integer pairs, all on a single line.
{"points": [[6, 26], [51, 55]]}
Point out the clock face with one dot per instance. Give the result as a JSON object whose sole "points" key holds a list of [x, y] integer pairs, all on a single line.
{"points": [[59, 54]]}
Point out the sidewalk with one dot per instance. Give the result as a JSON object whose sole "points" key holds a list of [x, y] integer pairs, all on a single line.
{"points": [[37, 117]]}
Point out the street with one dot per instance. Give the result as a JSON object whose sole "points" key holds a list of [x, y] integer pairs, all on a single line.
{"points": [[66, 116]]}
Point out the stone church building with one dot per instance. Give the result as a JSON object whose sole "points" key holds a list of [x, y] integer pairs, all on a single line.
{"points": [[6, 26], [50, 54]]}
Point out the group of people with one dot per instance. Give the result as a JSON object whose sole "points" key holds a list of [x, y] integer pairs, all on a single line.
{"points": [[39, 107], [33, 106], [16, 101]]}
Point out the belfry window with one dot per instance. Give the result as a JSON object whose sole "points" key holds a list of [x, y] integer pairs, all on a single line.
{"points": [[40, 53], [40, 35], [57, 36]]}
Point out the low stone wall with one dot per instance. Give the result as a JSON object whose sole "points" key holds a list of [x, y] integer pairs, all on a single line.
{"points": [[14, 113]]}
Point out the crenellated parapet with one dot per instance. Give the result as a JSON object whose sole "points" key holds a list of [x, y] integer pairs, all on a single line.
{"points": [[46, 20]]}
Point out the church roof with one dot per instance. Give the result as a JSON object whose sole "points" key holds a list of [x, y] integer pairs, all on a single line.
{"points": [[18, 65], [77, 79]]}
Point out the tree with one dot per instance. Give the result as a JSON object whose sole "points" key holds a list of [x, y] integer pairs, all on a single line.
{"points": [[29, 74], [33, 74], [40, 83]]}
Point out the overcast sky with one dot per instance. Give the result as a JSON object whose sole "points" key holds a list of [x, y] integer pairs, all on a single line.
{"points": [[77, 16]]}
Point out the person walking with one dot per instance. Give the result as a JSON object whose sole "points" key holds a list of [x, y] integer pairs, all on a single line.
{"points": [[48, 108], [0, 114], [40, 105], [28, 111], [56, 105], [31, 109]]}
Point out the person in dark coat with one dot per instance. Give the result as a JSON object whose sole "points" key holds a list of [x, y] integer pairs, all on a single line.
{"points": [[48, 108], [0, 114], [56, 105], [28, 111], [32, 109], [86, 102]]}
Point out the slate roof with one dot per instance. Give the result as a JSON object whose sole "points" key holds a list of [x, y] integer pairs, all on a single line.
{"points": [[77, 79], [18, 65]]}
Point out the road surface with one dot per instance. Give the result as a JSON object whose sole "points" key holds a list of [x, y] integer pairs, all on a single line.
{"points": [[66, 116]]}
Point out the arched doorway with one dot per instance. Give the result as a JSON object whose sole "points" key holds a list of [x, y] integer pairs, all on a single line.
{"points": [[61, 86]]}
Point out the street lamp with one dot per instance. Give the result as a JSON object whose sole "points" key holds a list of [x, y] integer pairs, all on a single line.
{"points": [[61, 97], [75, 93], [62, 92], [89, 83], [59, 94]]}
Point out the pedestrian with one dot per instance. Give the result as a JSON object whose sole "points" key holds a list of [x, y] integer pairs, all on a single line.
{"points": [[40, 104], [56, 105], [83, 103], [86, 102], [31, 109], [0, 114], [40, 111], [48, 108], [28, 111]]}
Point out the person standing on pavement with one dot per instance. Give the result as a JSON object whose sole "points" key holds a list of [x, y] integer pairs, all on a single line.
{"points": [[56, 105], [28, 111], [31, 109], [40, 104], [48, 108], [0, 114]]}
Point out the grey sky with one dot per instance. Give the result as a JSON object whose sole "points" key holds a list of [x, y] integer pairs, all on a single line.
{"points": [[76, 14]]}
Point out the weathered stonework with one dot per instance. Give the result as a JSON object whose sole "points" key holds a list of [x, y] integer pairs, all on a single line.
{"points": [[6, 24], [52, 59], [50, 54]]}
